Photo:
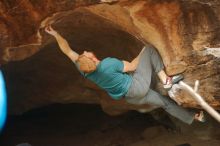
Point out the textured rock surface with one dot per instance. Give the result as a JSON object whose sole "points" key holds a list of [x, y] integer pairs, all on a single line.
{"points": [[38, 74]]}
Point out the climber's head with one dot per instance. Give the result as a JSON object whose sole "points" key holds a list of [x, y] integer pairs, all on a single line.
{"points": [[87, 62]]}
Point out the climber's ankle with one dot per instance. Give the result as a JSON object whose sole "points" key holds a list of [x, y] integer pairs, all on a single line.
{"points": [[172, 80]]}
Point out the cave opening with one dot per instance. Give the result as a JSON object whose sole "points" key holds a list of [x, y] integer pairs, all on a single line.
{"points": [[74, 124]]}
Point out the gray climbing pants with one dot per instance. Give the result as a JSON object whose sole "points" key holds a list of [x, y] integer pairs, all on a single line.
{"points": [[140, 93]]}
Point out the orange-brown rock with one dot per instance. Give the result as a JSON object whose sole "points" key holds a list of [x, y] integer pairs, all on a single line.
{"points": [[38, 74]]}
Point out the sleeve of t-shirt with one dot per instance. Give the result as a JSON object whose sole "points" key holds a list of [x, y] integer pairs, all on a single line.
{"points": [[119, 65]]}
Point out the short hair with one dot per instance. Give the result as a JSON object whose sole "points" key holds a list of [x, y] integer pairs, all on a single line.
{"points": [[86, 64]]}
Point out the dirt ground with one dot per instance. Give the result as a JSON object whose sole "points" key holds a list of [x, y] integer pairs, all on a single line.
{"points": [[87, 125]]}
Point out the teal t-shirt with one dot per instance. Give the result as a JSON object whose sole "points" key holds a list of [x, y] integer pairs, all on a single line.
{"points": [[109, 76]]}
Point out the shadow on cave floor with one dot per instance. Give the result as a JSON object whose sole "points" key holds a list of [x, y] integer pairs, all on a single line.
{"points": [[88, 125]]}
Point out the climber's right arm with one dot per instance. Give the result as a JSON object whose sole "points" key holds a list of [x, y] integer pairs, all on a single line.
{"points": [[63, 44]]}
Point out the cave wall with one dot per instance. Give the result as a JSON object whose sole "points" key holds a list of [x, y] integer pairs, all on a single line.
{"points": [[38, 74]]}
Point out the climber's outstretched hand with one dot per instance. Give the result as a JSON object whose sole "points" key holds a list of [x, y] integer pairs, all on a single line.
{"points": [[50, 30]]}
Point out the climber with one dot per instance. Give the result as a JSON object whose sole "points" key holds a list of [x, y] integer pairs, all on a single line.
{"points": [[128, 80]]}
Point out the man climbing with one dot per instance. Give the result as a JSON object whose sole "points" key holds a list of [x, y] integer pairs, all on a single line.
{"points": [[129, 80]]}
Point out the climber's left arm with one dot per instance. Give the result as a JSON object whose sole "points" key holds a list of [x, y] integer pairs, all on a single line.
{"points": [[131, 66]]}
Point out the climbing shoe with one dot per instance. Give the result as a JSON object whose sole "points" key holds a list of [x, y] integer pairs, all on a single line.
{"points": [[172, 80]]}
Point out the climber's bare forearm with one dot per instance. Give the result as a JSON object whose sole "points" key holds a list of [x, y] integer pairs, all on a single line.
{"points": [[65, 48], [63, 44], [135, 61]]}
